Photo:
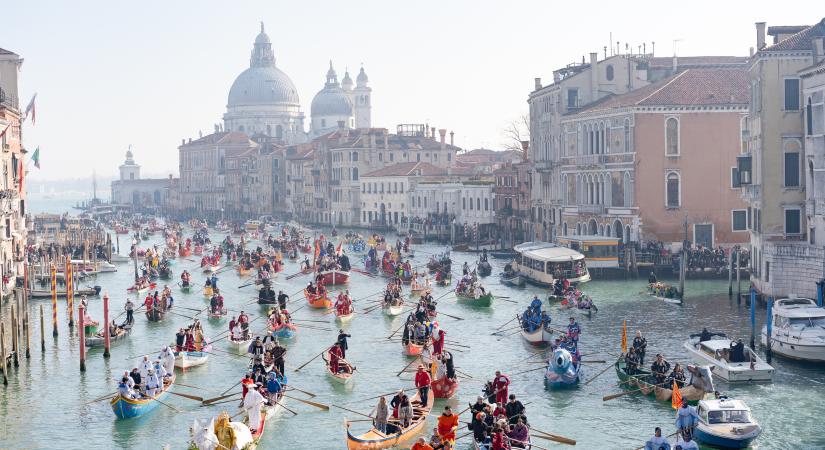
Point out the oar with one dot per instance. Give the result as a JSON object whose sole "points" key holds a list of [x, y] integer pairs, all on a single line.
{"points": [[192, 397], [553, 437], [301, 390], [452, 317], [308, 402], [397, 330], [463, 435], [529, 370], [408, 365], [595, 361], [168, 405], [385, 395], [622, 394], [233, 387], [505, 323], [313, 359], [105, 397], [213, 400], [352, 411]]}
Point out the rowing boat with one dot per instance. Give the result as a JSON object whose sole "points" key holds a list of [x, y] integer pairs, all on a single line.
{"points": [[562, 372], [339, 377], [444, 387], [538, 337], [217, 315], [318, 301], [484, 301], [284, 330], [344, 318], [393, 310], [208, 291], [643, 381], [241, 345], [185, 360], [412, 349], [137, 289], [209, 268], [375, 439], [333, 277], [127, 408], [98, 339]]}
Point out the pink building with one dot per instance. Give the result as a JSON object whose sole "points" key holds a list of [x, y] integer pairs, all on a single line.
{"points": [[637, 166]]}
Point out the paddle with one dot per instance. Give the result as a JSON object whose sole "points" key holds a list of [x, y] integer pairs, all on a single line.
{"points": [[352, 411], [301, 390], [215, 399], [622, 394], [529, 370], [397, 330], [192, 397], [553, 437], [308, 402], [385, 395], [595, 361], [505, 323], [408, 365], [233, 387], [105, 397], [598, 374], [313, 359], [168, 405], [452, 317]]}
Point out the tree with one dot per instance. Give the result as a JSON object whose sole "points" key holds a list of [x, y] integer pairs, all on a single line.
{"points": [[516, 133]]}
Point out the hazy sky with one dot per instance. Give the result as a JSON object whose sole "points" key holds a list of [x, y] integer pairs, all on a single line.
{"points": [[109, 74]]}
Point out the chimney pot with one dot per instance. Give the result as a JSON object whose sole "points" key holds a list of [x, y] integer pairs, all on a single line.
{"points": [[538, 83], [432, 132], [452, 138], [675, 63], [594, 76], [443, 133], [760, 35]]}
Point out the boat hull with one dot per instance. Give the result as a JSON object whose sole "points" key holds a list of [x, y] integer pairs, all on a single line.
{"points": [[346, 318], [185, 360], [484, 301], [334, 277], [393, 311], [731, 372], [317, 301], [284, 331], [413, 349], [539, 338], [723, 438], [444, 387], [794, 350], [689, 393], [131, 408], [375, 440]]}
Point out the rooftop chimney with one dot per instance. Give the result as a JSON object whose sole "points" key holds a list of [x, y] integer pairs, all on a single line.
{"points": [[675, 63], [452, 138], [386, 141], [432, 132], [752, 52], [443, 133], [760, 35], [594, 77], [556, 77], [538, 83]]}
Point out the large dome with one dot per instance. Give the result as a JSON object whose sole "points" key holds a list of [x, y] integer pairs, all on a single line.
{"points": [[262, 85], [331, 102]]}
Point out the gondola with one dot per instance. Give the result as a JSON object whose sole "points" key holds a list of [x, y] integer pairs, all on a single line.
{"points": [[98, 339], [643, 381], [127, 408], [484, 268], [339, 377], [374, 439], [155, 315]]}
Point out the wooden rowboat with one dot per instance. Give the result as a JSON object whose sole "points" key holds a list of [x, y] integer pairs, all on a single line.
{"points": [[219, 315], [483, 301], [136, 289], [318, 301], [242, 345], [643, 381], [284, 330], [208, 291], [339, 377], [412, 349], [98, 340], [210, 268], [344, 318], [444, 387], [333, 277], [127, 408], [374, 439], [185, 360], [393, 310]]}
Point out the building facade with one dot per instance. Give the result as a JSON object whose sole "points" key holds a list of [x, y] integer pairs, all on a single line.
{"points": [[654, 164], [512, 202], [783, 261], [384, 192], [13, 232], [139, 193]]}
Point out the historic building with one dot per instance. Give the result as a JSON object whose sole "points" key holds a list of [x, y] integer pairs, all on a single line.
{"points": [[638, 166], [139, 193], [12, 193], [575, 86], [338, 105], [512, 201], [784, 258], [384, 192]]}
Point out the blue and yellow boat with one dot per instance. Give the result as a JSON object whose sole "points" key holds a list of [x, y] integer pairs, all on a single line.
{"points": [[127, 408]]}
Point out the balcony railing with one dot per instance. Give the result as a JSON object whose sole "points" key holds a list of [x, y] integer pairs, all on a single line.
{"points": [[591, 209], [8, 100]]}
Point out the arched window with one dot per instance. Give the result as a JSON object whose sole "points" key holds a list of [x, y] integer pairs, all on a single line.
{"points": [[564, 229], [464, 203], [627, 136], [609, 73], [269, 130], [402, 187], [486, 204], [672, 136], [627, 190], [478, 204], [591, 228], [673, 190], [617, 230]]}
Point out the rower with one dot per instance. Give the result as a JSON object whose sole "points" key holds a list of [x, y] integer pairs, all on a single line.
{"points": [[501, 384], [342, 342], [573, 330], [422, 382], [678, 375], [652, 278], [640, 345], [657, 442], [152, 383], [335, 354], [282, 299], [130, 310], [125, 390], [631, 362], [660, 368]]}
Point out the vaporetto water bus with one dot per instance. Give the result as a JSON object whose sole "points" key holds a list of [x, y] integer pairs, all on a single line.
{"points": [[541, 263]]}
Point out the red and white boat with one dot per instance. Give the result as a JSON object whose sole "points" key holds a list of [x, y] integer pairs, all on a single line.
{"points": [[333, 277], [444, 387], [413, 349]]}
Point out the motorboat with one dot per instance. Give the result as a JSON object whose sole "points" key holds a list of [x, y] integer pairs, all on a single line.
{"points": [[798, 329], [724, 361], [540, 263], [726, 423]]}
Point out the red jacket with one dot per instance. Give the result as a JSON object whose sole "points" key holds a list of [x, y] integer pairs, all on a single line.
{"points": [[422, 379], [499, 443]]}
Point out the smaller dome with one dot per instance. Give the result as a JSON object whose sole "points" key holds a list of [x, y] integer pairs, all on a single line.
{"points": [[262, 37], [362, 77], [346, 82], [331, 102]]}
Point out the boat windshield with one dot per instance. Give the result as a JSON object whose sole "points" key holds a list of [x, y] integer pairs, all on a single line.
{"points": [[738, 416], [808, 321]]}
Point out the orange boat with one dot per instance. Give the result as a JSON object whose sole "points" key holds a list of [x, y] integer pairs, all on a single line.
{"points": [[318, 301], [413, 349], [374, 439], [242, 271], [184, 252], [444, 387]]}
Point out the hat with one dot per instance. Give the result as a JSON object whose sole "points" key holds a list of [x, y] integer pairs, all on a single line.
{"points": [[421, 366]]}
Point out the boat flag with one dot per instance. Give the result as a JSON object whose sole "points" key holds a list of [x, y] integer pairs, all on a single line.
{"points": [[3, 132], [624, 337], [36, 157], [676, 398], [339, 249], [30, 109], [22, 171]]}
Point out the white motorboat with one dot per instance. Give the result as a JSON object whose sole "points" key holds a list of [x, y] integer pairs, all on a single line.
{"points": [[798, 329], [726, 423], [185, 360], [103, 266], [725, 363]]}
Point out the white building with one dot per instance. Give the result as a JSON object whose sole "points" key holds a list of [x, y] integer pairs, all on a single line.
{"points": [[813, 97], [384, 192], [458, 202], [133, 190]]}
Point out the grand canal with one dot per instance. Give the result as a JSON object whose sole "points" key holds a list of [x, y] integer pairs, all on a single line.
{"points": [[44, 405]]}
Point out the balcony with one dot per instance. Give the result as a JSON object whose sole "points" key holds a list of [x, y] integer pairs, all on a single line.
{"points": [[8, 100], [591, 209]]}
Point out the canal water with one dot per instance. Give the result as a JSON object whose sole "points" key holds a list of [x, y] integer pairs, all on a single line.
{"points": [[45, 404]]}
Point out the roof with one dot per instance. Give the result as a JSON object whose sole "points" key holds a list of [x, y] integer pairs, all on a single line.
{"points": [[360, 138], [690, 87], [727, 404], [802, 40], [686, 62], [406, 169], [547, 252], [786, 29], [6, 52]]}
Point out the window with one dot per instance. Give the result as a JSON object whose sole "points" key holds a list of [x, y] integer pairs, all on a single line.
{"points": [[627, 137], [673, 190], [739, 220], [791, 169], [355, 156], [392, 157], [355, 173], [793, 221], [487, 204], [791, 94], [418, 156], [478, 204], [463, 203], [572, 98], [471, 204], [809, 120], [609, 72], [380, 156], [767, 271], [672, 136], [734, 178]]}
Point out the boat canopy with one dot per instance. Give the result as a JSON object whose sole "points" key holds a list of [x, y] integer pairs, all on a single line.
{"points": [[545, 251]]}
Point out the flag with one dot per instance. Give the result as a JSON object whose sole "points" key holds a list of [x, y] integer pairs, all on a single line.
{"points": [[624, 337], [36, 157], [339, 249], [676, 398], [3, 133], [30, 109], [22, 170]]}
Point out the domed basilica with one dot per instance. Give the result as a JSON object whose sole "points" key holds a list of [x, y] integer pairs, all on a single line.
{"points": [[263, 100]]}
